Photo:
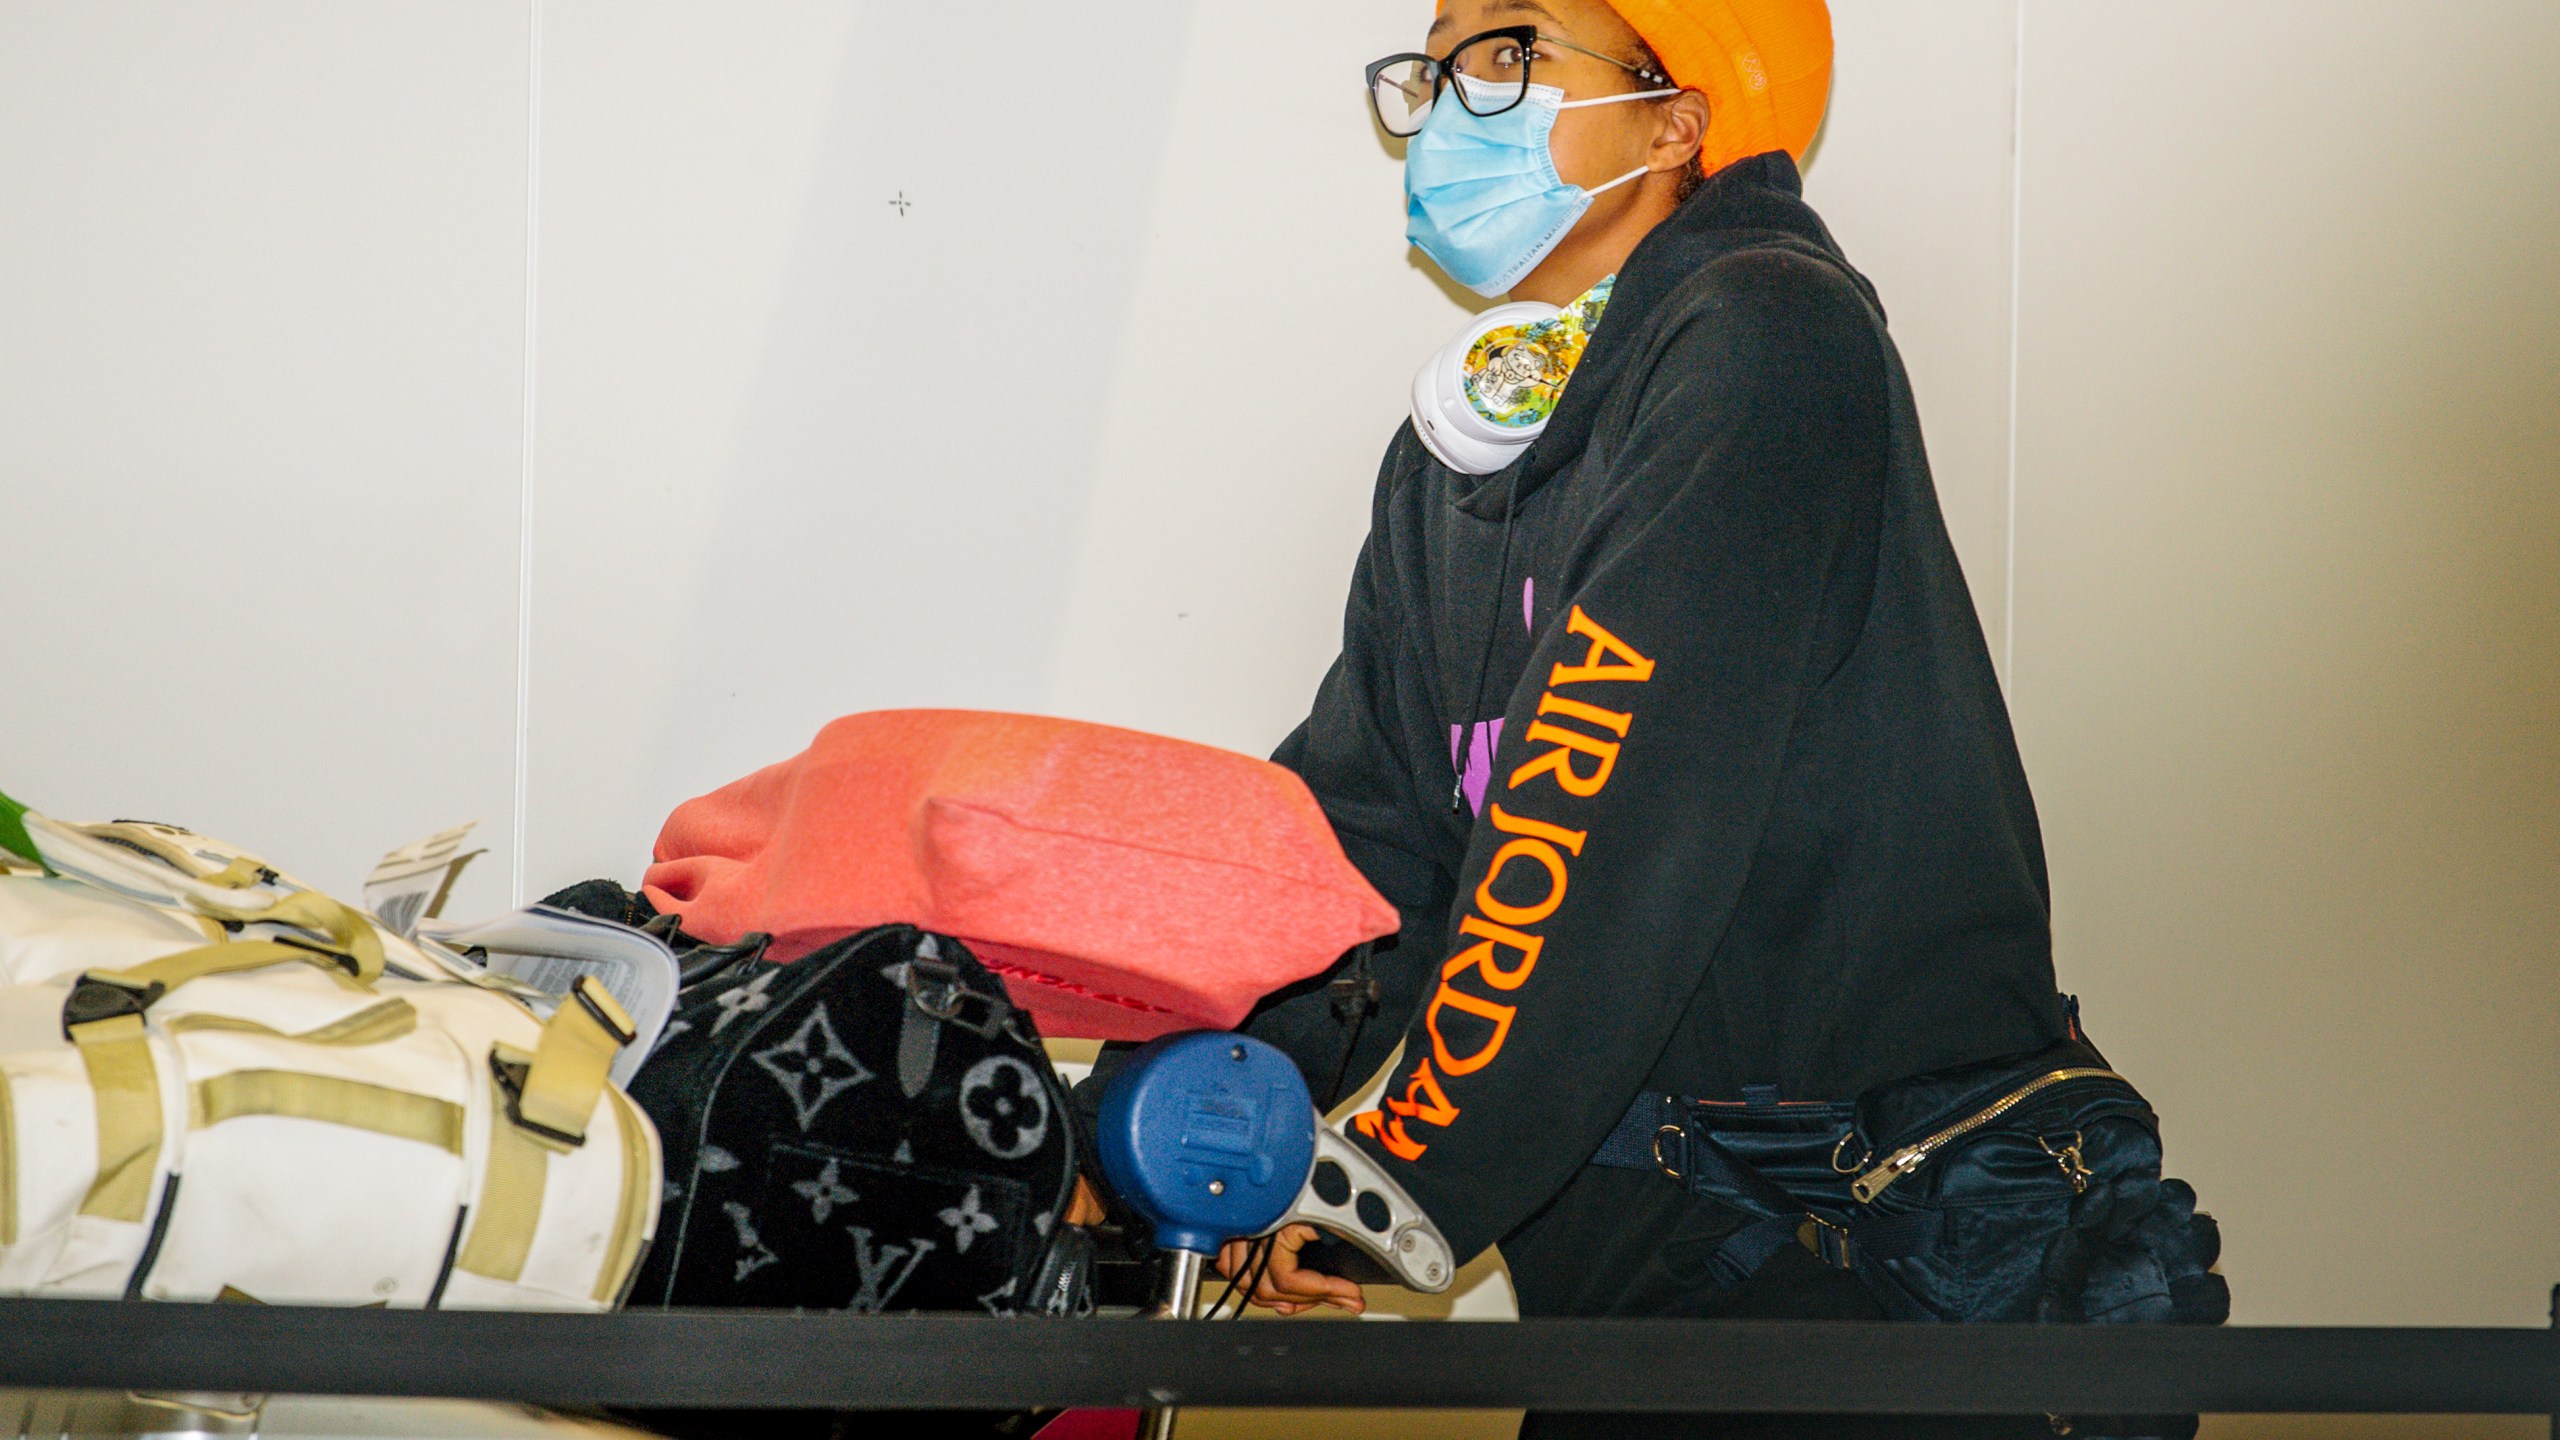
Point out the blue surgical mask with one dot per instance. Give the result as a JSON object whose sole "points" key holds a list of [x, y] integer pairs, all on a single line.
{"points": [[1481, 194]]}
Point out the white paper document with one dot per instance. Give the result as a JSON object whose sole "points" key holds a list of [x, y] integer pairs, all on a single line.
{"points": [[410, 884], [551, 950]]}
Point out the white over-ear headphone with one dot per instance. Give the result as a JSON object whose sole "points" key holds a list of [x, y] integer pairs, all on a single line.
{"points": [[1452, 427]]}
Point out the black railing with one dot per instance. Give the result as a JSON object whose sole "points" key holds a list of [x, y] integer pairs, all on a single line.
{"points": [[760, 1359]]}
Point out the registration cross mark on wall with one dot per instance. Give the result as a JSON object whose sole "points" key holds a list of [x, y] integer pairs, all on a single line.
{"points": [[900, 204]]}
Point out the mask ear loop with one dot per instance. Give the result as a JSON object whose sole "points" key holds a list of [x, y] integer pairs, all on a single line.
{"points": [[1618, 100], [1621, 180]]}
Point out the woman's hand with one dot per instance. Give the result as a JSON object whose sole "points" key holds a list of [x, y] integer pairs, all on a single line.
{"points": [[1287, 1286]]}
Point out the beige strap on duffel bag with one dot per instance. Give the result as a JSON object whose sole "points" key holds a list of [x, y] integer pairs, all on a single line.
{"points": [[217, 1083]]}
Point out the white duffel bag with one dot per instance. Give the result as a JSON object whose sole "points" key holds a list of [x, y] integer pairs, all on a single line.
{"points": [[219, 1084]]}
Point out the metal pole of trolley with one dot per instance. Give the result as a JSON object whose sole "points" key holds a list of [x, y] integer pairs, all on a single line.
{"points": [[1182, 1302]]}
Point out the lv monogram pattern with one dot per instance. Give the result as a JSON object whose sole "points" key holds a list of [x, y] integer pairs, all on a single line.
{"points": [[800, 1178], [812, 1067]]}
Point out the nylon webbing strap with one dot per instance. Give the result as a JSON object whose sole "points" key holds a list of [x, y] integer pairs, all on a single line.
{"points": [[240, 874], [352, 934], [372, 1025], [543, 1102], [1630, 1145], [329, 1100], [230, 958], [124, 1089], [510, 1203], [570, 1064], [751, 1359], [1663, 1133]]}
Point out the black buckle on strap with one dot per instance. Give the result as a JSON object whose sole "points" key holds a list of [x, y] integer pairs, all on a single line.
{"points": [[510, 1075], [95, 997], [622, 1031], [1830, 1243], [933, 985]]}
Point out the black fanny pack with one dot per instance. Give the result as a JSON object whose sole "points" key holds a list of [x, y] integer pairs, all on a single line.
{"points": [[2021, 1189]]}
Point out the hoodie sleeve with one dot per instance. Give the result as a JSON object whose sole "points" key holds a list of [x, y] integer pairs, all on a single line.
{"points": [[1354, 752], [1726, 576]]}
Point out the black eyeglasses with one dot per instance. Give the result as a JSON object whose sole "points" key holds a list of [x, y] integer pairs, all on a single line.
{"points": [[1496, 63]]}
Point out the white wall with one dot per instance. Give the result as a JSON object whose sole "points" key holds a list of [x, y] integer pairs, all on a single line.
{"points": [[2287, 663], [2233, 330], [1087, 427], [262, 318]]}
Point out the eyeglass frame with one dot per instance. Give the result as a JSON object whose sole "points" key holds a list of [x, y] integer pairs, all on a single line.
{"points": [[1527, 35]]}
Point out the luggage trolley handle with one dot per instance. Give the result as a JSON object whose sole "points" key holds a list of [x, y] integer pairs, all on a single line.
{"points": [[1214, 1137], [1347, 1195]]}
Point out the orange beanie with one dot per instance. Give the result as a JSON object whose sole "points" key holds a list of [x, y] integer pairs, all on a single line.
{"points": [[1764, 66]]}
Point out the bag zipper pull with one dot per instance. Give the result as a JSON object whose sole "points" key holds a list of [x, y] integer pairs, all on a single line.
{"points": [[1896, 1165], [2074, 1169], [1911, 1157]]}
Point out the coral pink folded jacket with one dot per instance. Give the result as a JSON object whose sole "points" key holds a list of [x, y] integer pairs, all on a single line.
{"points": [[1123, 884]]}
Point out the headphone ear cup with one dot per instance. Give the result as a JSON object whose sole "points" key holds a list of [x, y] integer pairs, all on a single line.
{"points": [[1439, 393], [1446, 419]]}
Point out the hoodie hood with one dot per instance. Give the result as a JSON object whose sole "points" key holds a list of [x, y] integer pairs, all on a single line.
{"points": [[1756, 203]]}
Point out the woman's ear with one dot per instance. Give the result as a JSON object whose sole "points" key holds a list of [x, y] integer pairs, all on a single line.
{"points": [[1683, 132]]}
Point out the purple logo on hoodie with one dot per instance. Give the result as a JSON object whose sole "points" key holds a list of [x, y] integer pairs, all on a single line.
{"points": [[1479, 771], [1488, 733]]}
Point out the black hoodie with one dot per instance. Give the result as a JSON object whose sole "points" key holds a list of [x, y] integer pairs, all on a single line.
{"points": [[1743, 807]]}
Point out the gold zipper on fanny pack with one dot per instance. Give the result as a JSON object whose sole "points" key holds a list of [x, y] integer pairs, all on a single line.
{"points": [[1911, 1157]]}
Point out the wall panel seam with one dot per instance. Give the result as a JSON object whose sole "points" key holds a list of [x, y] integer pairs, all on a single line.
{"points": [[525, 491]]}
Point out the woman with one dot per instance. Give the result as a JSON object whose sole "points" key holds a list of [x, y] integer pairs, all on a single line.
{"points": [[1672, 733]]}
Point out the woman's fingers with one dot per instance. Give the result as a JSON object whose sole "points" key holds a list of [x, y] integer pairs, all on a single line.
{"points": [[1282, 1284], [1290, 1288]]}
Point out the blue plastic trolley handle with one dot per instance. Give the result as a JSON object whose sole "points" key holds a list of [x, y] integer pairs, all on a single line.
{"points": [[1209, 1135]]}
